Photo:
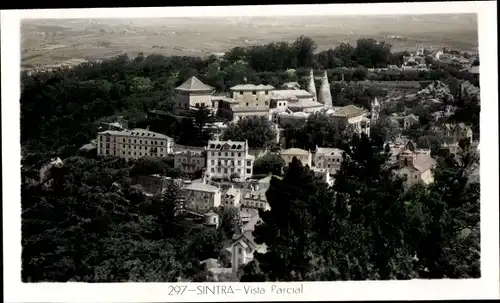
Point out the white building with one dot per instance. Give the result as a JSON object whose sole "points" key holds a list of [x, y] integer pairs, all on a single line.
{"points": [[201, 197], [232, 197], [225, 158], [255, 198], [243, 245], [324, 174], [192, 94], [328, 158], [133, 144], [416, 168], [250, 95]]}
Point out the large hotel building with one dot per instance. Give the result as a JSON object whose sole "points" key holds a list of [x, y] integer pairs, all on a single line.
{"points": [[225, 158], [135, 143]]}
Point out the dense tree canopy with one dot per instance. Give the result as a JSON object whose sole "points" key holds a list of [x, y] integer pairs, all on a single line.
{"points": [[367, 226], [256, 129]]}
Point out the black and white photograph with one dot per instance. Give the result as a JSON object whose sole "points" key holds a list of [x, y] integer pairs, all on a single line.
{"points": [[266, 148]]}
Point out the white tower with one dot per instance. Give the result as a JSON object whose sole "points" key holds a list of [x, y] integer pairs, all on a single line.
{"points": [[325, 95], [312, 87], [375, 110]]}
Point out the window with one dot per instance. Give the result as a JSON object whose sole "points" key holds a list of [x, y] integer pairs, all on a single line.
{"points": [[197, 104], [241, 93], [415, 176], [240, 250], [225, 154], [249, 163], [266, 103], [239, 154], [123, 140], [249, 171], [219, 154], [212, 162], [254, 93], [218, 169], [266, 92], [212, 170], [225, 170], [100, 145], [239, 162], [135, 141]]}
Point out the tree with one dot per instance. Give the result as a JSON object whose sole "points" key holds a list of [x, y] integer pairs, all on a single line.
{"points": [[445, 229], [288, 224], [256, 129], [269, 164], [368, 196]]}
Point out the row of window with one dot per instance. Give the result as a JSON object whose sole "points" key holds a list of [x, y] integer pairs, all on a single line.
{"points": [[330, 159], [226, 154], [124, 140], [124, 153], [229, 171], [254, 204], [193, 161], [254, 93], [140, 147], [265, 103], [229, 162]]}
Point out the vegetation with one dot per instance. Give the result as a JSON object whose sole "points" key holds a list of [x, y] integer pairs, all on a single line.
{"points": [[367, 226], [257, 130], [87, 223]]}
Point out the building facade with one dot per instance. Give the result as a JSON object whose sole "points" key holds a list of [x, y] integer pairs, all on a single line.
{"points": [[254, 198], [133, 144], [189, 161], [252, 95], [328, 158], [201, 197], [192, 94], [227, 158]]}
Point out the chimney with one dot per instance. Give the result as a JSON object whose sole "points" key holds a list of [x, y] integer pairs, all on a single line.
{"points": [[325, 95], [312, 86]]}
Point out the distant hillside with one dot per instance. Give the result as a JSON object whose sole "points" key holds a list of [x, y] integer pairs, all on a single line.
{"points": [[52, 41]]}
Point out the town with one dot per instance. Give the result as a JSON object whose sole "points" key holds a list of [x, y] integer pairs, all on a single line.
{"points": [[255, 179]]}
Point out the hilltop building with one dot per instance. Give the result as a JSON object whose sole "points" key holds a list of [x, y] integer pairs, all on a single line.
{"points": [[133, 144], [192, 94]]}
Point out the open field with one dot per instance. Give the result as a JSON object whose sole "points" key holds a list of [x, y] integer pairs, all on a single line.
{"points": [[50, 41]]}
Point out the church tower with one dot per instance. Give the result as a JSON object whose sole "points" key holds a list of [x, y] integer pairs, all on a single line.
{"points": [[312, 87], [375, 110], [325, 95]]}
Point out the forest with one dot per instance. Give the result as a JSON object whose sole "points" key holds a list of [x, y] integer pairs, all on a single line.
{"points": [[90, 224]]}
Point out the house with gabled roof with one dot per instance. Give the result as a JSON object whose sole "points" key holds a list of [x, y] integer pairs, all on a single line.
{"points": [[192, 94], [414, 165], [243, 244], [229, 158]]}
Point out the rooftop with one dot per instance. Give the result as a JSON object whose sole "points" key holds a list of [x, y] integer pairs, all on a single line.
{"points": [[348, 111], [329, 151], [241, 109], [136, 132], [226, 145], [202, 187], [194, 84], [295, 151], [304, 104], [290, 94], [251, 87]]}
